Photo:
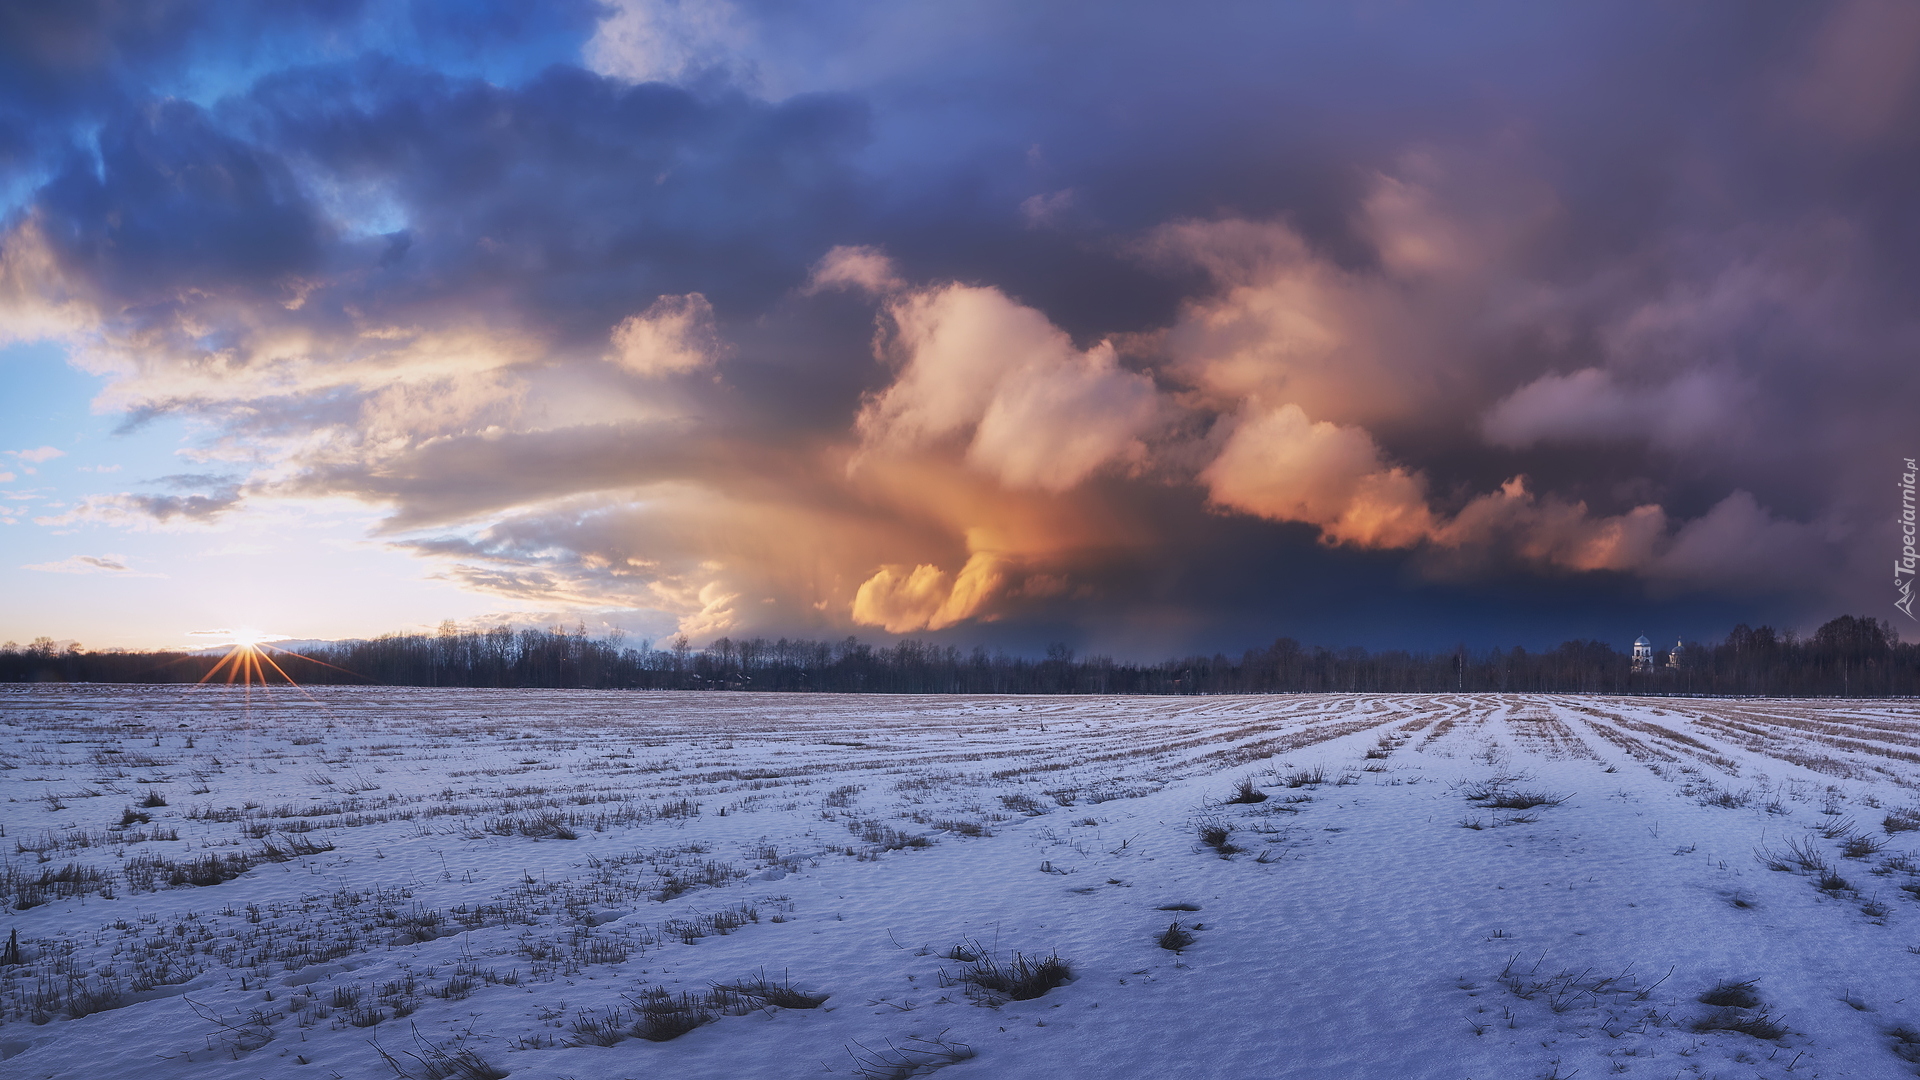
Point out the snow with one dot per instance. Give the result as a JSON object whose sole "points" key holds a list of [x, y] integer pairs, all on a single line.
{"points": [[1377, 920]]}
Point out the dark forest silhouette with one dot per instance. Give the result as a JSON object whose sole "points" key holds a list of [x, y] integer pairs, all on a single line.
{"points": [[1849, 656]]}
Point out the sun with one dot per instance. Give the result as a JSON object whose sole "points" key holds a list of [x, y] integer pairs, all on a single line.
{"points": [[246, 637], [249, 658]]}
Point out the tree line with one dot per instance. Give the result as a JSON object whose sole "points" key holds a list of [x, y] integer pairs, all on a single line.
{"points": [[1854, 656]]}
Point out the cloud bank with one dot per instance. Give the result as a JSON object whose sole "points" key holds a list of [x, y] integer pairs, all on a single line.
{"points": [[874, 322]]}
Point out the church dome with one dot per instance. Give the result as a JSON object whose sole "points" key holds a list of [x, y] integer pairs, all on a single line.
{"points": [[1642, 640]]}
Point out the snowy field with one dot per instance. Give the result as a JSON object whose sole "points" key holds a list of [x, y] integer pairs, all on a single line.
{"points": [[370, 883]]}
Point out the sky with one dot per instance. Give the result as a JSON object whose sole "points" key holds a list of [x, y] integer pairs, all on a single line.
{"points": [[1142, 328]]}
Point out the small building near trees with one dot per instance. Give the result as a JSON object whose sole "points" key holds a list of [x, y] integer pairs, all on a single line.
{"points": [[1642, 654]]}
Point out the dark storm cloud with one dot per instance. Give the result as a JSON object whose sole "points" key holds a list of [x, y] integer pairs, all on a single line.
{"points": [[68, 64], [173, 204], [563, 200], [575, 193], [1186, 323]]}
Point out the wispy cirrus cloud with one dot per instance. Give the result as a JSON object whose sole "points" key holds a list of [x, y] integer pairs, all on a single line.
{"points": [[218, 496], [90, 564]]}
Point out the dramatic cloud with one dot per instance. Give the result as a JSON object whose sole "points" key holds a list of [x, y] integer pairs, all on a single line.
{"points": [[718, 317]]}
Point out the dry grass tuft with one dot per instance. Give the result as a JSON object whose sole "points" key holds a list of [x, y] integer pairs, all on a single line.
{"points": [[761, 992], [1019, 978], [1245, 792]]}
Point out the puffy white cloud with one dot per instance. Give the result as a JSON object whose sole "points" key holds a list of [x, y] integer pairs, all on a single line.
{"points": [[1285, 326], [955, 345], [717, 612], [1050, 426], [27, 459], [674, 335], [1042, 413]]}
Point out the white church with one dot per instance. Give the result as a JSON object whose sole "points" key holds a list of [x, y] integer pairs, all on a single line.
{"points": [[1644, 658]]}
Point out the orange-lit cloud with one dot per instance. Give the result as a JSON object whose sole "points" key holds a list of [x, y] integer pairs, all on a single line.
{"points": [[1032, 409], [1279, 465], [900, 600]]}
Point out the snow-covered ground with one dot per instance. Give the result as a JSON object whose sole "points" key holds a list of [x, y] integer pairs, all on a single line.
{"points": [[370, 882]]}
